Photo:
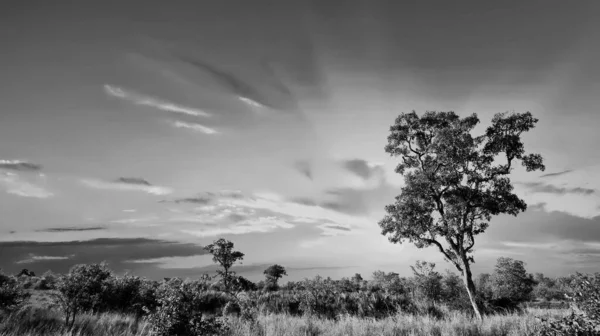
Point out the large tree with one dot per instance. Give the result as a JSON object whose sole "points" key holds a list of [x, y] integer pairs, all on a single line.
{"points": [[455, 181], [224, 255]]}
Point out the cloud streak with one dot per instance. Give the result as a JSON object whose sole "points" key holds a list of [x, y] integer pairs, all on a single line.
{"points": [[551, 189], [244, 91], [131, 185], [139, 99], [193, 126], [71, 229], [20, 165]]}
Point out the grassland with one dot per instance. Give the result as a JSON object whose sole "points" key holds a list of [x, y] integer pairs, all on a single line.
{"points": [[40, 319]]}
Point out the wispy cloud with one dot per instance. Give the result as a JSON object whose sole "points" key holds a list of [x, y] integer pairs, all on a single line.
{"points": [[557, 173], [551, 189], [304, 168], [36, 258], [363, 168], [193, 126], [244, 91], [20, 165], [160, 104], [15, 185], [575, 192], [72, 228], [121, 185]]}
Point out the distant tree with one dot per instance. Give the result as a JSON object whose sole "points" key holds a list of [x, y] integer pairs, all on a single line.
{"points": [[455, 182], [26, 272], [273, 273], [388, 282], [226, 257], [511, 281]]}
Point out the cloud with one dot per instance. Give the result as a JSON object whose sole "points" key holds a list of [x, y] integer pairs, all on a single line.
{"points": [[557, 173], [210, 197], [304, 168], [130, 184], [163, 105], [193, 126], [72, 228], [244, 91], [20, 165], [574, 192], [133, 180], [35, 258], [15, 185], [115, 251], [539, 187], [363, 168]]}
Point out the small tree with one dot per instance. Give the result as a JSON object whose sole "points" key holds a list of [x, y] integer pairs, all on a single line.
{"points": [[273, 273], [428, 281], [224, 255], [511, 281], [84, 288], [454, 181]]}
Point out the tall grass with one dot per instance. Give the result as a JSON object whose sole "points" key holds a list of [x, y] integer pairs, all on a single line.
{"points": [[38, 321]]}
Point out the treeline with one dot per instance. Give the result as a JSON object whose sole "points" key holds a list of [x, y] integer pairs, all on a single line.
{"points": [[194, 306]]}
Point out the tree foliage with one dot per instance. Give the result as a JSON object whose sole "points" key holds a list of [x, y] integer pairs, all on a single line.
{"points": [[273, 273], [226, 257], [12, 296], [511, 281], [83, 289], [455, 182]]}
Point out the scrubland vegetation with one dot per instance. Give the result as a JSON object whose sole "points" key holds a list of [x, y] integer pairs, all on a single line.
{"points": [[92, 300]]}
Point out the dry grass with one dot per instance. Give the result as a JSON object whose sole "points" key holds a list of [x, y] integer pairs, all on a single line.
{"points": [[455, 324], [38, 321]]}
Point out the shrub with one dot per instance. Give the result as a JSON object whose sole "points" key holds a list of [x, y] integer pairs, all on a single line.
{"points": [[12, 295], [584, 294], [83, 289], [182, 310]]}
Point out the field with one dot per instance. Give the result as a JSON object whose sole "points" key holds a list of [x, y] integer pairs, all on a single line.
{"points": [[39, 319]]}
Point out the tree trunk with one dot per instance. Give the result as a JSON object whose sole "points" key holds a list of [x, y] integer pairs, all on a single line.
{"points": [[468, 280]]}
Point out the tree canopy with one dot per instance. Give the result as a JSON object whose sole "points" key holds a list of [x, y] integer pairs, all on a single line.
{"points": [[455, 181]]}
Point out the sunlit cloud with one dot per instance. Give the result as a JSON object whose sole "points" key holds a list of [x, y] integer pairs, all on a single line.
{"points": [[36, 258], [251, 102], [15, 185], [193, 126], [124, 186], [144, 100]]}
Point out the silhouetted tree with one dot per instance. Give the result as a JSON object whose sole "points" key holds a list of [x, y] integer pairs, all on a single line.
{"points": [[455, 181], [224, 255], [273, 273]]}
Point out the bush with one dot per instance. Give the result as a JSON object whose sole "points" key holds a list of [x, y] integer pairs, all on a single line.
{"points": [[182, 310], [12, 295], [84, 289], [584, 294]]}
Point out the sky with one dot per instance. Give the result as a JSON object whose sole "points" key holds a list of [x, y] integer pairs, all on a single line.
{"points": [[137, 132]]}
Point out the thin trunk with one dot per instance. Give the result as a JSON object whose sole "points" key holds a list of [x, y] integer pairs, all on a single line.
{"points": [[470, 286]]}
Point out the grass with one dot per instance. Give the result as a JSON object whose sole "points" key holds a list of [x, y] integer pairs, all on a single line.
{"points": [[39, 321], [40, 317]]}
